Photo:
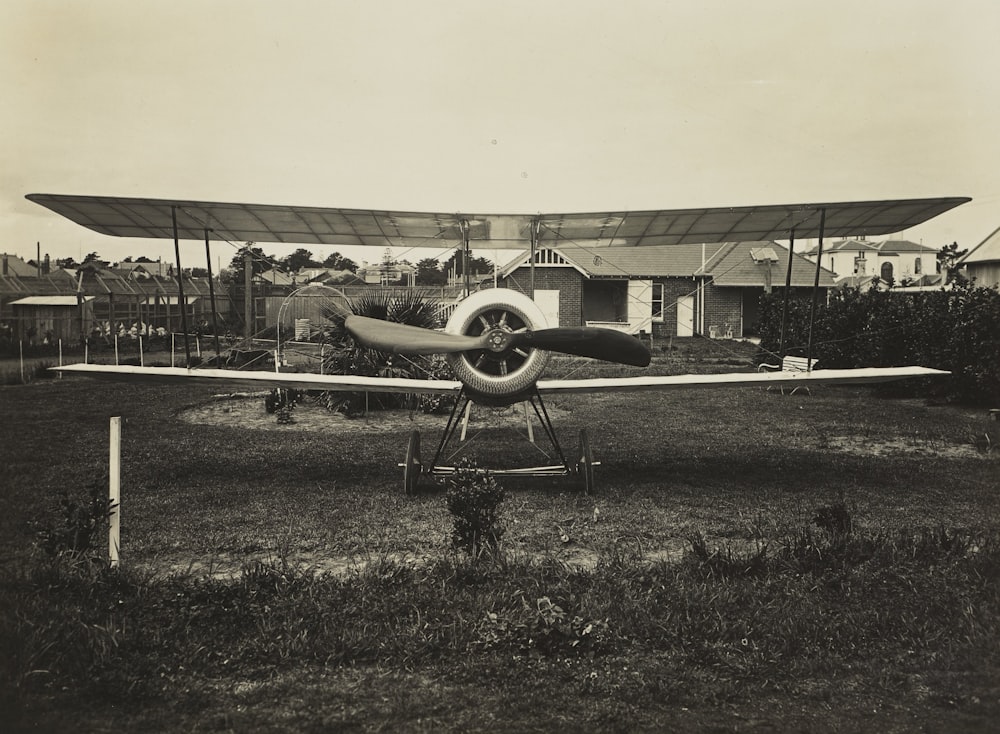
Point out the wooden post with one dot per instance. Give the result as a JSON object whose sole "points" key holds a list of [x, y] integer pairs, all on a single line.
{"points": [[20, 348], [114, 491], [171, 349], [116, 347], [60, 357], [142, 360]]}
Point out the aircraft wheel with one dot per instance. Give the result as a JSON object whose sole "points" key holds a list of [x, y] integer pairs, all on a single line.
{"points": [[585, 464], [412, 467]]}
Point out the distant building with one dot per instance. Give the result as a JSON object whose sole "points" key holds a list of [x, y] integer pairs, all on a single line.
{"points": [[387, 273], [892, 261], [13, 265], [982, 263]]}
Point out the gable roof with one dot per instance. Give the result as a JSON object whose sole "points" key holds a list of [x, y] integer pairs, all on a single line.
{"points": [[986, 251], [13, 265], [884, 248], [729, 264]]}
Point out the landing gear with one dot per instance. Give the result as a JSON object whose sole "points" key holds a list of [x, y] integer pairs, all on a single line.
{"points": [[585, 464], [412, 467], [582, 467]]}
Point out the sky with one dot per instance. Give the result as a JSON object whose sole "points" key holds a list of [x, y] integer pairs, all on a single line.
{"points": [[514, 107]]}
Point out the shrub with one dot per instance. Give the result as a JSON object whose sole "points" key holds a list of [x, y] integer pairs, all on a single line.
{"points": [[953, 330], [474, 499]]}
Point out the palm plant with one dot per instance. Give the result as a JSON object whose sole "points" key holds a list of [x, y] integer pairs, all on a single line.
{"points": [[347, 357]]}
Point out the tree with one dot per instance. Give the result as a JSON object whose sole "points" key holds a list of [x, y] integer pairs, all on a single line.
{"points": [[429, 272], [477, 265], [947, 258], [298, 260], [335, 261], [91, 257], [259, 262]]}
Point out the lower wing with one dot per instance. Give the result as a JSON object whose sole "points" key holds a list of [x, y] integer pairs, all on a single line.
{"points": [[310, 381], [735, 379], [301, 380]]}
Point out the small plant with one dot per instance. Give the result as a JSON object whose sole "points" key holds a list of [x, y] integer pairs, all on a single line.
{"points": [[79, 523], [835, 519], [474, 500]]}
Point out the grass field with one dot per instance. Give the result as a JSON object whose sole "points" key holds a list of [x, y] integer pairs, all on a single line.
{"points": [[279, 580]]}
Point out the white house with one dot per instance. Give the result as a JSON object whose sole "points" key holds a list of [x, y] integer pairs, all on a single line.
{"points": [[895, 261]]}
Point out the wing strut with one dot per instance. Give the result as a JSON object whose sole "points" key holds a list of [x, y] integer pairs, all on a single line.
{"points": [[815, 293], [182, 301], [788, 287], [211, 295]]}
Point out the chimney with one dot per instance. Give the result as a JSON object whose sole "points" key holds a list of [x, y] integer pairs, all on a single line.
{"points": [[46, 265], [5, 264]]}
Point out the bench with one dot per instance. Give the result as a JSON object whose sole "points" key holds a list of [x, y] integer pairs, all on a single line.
{"points": [[791, 365]]}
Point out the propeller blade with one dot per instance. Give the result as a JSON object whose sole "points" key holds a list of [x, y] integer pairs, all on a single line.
{"points": [[589, 341], [388, 336]]}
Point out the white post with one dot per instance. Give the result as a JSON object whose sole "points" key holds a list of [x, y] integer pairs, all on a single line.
{"points": [[114, 490], [172, 340], [116, 349], [197, 344], [60, 354], [321, 357], [86, 352], [465, 420], [20, 349], [142, 361]]}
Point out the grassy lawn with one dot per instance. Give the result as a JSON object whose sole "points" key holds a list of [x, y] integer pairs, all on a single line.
{"points": [[279, 580]]}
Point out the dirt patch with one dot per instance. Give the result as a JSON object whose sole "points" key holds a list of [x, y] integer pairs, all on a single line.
{"points": [[867, 446], [247, 411]]}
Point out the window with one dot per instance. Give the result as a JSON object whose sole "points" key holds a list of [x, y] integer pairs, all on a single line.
{"points": [[657, 302], [916, 266]]}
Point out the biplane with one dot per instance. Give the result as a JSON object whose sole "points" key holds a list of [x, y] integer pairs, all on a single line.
{"points": [[496, 341]]}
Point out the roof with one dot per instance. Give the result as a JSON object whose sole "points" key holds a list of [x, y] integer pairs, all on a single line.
{"points": [[50, 301], [728, 264], [986, 251], [16, 266], [886, 248], [161, 218]]}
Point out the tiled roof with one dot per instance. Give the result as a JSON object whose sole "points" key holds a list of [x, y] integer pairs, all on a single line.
{"points": [[729, 264]]}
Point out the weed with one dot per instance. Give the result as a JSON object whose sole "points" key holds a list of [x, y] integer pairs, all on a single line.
{"points": [[78, 524]]}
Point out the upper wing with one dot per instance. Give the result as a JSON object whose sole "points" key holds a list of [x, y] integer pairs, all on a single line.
{"points": [[305, 381], [735, 379], [135, 217]]}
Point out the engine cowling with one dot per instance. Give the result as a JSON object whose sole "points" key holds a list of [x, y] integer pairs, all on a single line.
{"points": [[491, 376]]}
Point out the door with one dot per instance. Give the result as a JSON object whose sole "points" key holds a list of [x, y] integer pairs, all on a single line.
{"points": [[685, 316], [640, 305], [548, 301]]}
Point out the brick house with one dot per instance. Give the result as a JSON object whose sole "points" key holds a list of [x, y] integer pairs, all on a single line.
{"points": [[670, 290]]}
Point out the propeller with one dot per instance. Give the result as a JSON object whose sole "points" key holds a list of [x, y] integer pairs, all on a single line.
{"points": [[586, 341]]}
